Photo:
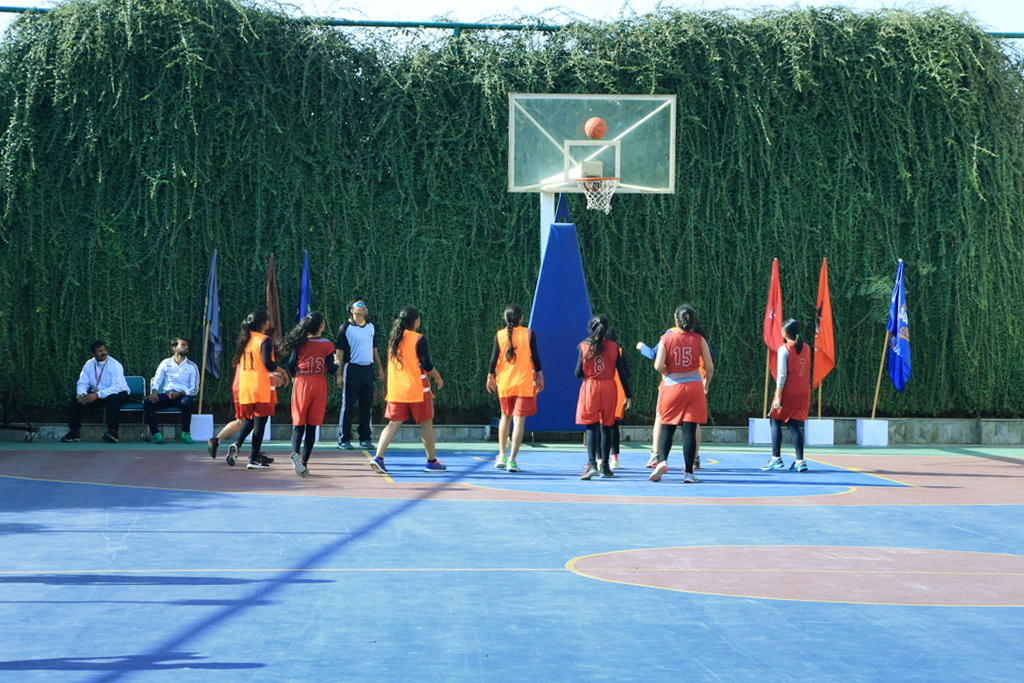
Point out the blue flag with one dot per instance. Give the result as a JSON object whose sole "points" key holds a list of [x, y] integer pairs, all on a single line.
{"points": [[304, 293], [899, 335], [211, 321]]}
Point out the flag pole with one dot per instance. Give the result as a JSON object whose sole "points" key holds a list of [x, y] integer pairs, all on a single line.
{"points": [[202, 376], [819, 398], [881, 365], [767, 374]]}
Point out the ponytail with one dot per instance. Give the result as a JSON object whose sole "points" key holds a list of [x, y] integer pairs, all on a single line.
{"points": [[407, 317], [252, 323], [300, 333], [512, 316], [598, 333], [686, 319]]}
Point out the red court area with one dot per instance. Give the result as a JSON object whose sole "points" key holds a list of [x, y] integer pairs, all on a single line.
{"points": [[890, 576]]}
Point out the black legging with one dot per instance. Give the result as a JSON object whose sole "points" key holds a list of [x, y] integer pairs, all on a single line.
{"points": [[796, 432], [254, 427], [297, 433], [689, 430], [599, 442], [615, 438]]}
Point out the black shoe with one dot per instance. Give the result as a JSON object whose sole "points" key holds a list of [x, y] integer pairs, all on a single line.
{"points": [[110, 436], [211, 446], [71, 437], [365, 443], [266, 458], [606, 471], [345, 445], [257, 462]]}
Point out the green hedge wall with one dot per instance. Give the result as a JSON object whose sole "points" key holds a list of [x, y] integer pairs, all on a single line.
{"points": [[139, 136]]}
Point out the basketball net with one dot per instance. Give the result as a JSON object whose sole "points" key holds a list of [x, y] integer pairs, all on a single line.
{"points": [[599, 192]]}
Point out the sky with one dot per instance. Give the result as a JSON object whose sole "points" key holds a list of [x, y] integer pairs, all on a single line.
{"points": [[993, 15]]}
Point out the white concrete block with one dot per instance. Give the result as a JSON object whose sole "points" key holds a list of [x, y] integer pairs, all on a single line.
{"points": [[872, 432], [759, 430], [820, 432]]}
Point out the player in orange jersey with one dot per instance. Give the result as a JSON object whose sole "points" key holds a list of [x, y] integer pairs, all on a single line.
{"points": [[598, 362], [517, 377], [310, 357]]}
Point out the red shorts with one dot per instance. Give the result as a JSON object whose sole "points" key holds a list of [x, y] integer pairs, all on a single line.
{"points": [[248, 411], [417, 412], [309, 399], [686, 402], [597, 402], [787, 414], [521, 406]]}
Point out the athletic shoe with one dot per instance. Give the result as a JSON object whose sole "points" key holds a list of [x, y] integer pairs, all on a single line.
{"points": [[696, 462], [606, 471], [300, 469], [232, 452], [158, 437], [434, 466], [266, 458], [774, 464], [512, 466], [799, 465], [366, 444], [211, 446], [256, 463], [345, 445], [690, 478], [377, 463], [501, 462], [186, 437], [615, 462], [588, 472], [70, 437], [659, 471], [652, 462], [110, 436]]}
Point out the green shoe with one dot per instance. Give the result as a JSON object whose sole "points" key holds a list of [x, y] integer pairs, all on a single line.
{"points": [[186, 437], [158, 437]]}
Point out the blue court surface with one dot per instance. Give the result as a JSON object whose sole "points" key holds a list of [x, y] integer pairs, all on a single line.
{"points": [[884, 565]]}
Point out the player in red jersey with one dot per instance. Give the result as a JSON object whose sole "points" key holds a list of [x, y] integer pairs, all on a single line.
{"points": [[792, 398], [682, 399], [311, 356], [598, 362]]}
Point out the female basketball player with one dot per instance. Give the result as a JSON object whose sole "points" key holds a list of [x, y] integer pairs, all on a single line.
{"points": [[409, 396], [597, 364], [310, 357], [254, 358], [792, 396], [682, 400], [517, 377]]}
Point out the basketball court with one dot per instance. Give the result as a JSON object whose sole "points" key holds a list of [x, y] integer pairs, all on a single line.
{"points": [[150, 563]]}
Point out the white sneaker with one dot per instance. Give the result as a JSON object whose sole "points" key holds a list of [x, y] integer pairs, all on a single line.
{"points": [[615, 462], [300, 469], [652, 462], [659, 471], [690, 478], [501, 462]]}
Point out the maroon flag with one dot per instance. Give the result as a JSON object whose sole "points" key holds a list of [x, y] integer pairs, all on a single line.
{"points": [[772, 328]]}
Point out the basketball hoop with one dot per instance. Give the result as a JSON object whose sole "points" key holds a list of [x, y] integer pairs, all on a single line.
{"points": [[599, 192]]}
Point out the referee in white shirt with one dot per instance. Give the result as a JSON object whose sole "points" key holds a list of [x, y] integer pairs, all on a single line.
{"points": [[176, 383], [102, 383], [357, 353]]}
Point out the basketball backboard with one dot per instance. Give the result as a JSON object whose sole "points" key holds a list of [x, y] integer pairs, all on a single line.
{"points": [[548, 148]]}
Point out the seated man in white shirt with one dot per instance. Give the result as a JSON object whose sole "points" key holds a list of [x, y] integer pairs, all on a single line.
{"points": [[176, 383], [100, 383]]}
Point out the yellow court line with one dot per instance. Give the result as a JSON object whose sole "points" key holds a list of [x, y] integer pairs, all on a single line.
{"points": [[369, 458], [860, 471]]}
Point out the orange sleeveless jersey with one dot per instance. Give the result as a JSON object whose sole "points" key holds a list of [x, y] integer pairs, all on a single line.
{"points": [[682, 350], [515, 378], [254, 380], [407, 383]]}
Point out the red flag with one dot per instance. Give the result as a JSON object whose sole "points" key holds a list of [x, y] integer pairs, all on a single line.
{"points": [[772, 329], [824, 339], [273, 306]]}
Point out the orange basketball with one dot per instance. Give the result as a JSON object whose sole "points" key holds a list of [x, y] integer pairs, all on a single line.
{"points": [[595, 128]]}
